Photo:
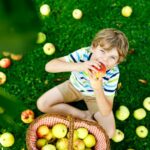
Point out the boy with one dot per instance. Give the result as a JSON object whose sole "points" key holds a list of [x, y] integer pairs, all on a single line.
{"points": [[109, 47]]}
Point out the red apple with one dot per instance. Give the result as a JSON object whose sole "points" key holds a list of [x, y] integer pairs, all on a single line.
{"points": [[2, 78], [42, 131], [5, 62], [27, 116], [16, 57]]}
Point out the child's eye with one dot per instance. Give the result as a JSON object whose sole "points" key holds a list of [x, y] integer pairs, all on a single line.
{"points": [[113, 58], [102, 51]]}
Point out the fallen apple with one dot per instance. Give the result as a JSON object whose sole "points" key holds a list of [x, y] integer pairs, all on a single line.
{"points": [[48, 147], [78, 145], [45, 9], [41, 38], [49, 48], [5, 62], [62, 144], [42, 131], [139, 114], [2, 78], [142, 131], [77, 14], [59, 130], [41, 142], [126, 11], [16, 57], [27, 116], [122, 113], [2, 110], [6, 54], [82, 132], [89, 141], [118, 136], [7, 139], [146, 103]]}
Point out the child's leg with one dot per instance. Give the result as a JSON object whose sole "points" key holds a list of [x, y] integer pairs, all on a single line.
{"points": [[53, 101], [107, 122]]}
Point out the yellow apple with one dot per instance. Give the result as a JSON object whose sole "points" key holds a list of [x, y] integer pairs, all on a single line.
{"points": [[77, 13], [49, 48], [142, 131], [16, 57], [62, 144], [78, 145], [41, 142], [2, 110], [45, 10], [118, 136], [89, 141], [139, 114], [42, 131], [126, 11], [82, 132], [49, 135], [48, 147], [146, 103], [7, 139], [2, 78], [41, 38], [6, 54], [5, 62], [27, 116]]}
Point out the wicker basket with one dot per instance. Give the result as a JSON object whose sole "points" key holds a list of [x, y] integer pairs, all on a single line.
{"points": [[102, 140]]}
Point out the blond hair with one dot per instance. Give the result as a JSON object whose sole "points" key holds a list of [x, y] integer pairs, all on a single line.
{"points": [[111, 38]]}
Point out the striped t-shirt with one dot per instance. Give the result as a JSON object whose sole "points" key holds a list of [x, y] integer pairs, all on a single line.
{"points": [[80, 80]]}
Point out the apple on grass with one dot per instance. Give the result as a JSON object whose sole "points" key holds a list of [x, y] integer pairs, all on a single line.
{"points": [[82, 132], [2, 78], [77, 14], [89, 141], [41, 38], [2, 110], [118, 136], [78, 144], [45, 9], [59, 130], [48, 147], [126, 11], [7, 139], [139, 114], [146, 103], [5, 62], [16, 57], [6, 54], [142, 131], [62, 144], [42, 131], [27, 116], [41, 142], [122, 113], [49, 48]]}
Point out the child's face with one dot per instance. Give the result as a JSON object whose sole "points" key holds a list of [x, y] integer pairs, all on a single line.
{"points": [[108, 57]]}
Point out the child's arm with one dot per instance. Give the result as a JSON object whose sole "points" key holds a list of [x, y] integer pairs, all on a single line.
{"points": [[60, 65]]}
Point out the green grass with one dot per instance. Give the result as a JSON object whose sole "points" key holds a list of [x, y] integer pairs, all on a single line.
{"points": [[26, 78]]}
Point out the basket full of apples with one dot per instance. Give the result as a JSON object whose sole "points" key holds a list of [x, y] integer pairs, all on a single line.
{"points": [[64, 132]]}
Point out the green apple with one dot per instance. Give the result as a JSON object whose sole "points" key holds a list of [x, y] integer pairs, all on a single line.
{"points": [[142, 131], [42, 131], [62, 144], [118, 136], [2, 110], [7, 139], [139, 114], [45, 10], [49, 49], [48, 147], [78, 145], [89, 141], [122, 113], [77, 14], [82, 132], [146, 103], [126, 11], [59, 130], [41, 142], [41, 38], [2, 78]]}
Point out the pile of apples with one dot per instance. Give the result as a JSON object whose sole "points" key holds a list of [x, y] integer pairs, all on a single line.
{"points": [[57, 137]]}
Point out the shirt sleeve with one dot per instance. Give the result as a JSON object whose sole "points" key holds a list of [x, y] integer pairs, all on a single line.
{"points": [[111, 85], [77, 56]]}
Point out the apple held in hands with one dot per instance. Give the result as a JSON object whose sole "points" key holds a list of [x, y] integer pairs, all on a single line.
{"points": [[49, 48], [139, 114], [5, 62], [7, 139], [122, 113], [27, 116], [146, 103], [142, 131], [2, 78], [118, 136]]}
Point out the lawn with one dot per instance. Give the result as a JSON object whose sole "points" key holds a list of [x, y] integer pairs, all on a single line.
{"points": [[27, 78]]}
